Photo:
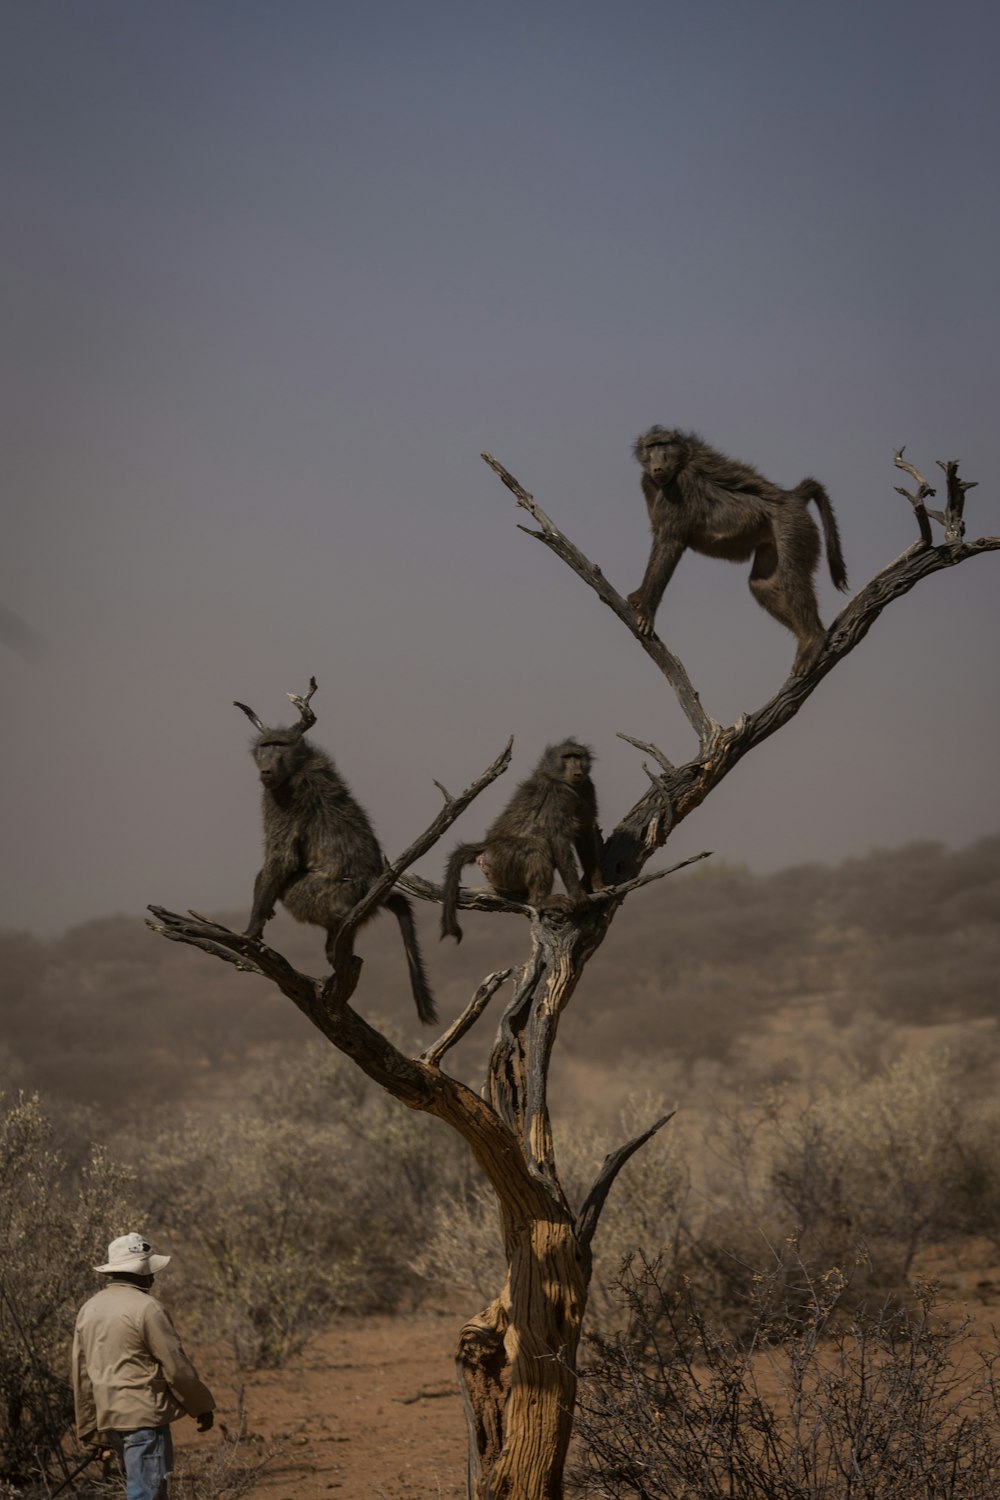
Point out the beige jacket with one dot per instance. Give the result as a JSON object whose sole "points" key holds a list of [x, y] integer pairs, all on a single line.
{"points": [[129, 1369]]}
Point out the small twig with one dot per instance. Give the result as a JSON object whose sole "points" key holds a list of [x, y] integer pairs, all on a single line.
{"points": [[617, 892], [470, 1015], [662, 821], [924, 492], [650, 749], [427, 1396], [954, 522], [702, 723]]}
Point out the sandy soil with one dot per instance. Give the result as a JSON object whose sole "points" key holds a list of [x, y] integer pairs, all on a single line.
{"points": [[370, 1409]]}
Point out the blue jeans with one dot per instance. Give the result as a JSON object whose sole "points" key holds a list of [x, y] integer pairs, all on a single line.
{"points": [[148, 1458]]}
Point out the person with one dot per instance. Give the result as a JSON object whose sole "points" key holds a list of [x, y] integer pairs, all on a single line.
{"points": [[131, 1377]]}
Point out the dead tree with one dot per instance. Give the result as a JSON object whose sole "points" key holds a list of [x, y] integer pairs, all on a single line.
{"points": [[516, 1358]]}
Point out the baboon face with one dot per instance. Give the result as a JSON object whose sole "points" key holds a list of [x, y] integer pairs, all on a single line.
{"points": [[277, 757], [571, 763], [661, 454]]}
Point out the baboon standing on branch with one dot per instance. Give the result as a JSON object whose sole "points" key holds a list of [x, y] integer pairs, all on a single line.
{"points": [[549, 815], [699, 498], [321, 855]]}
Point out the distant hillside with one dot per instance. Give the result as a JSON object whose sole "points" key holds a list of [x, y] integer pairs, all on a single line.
{"points": [[110, 1014]]}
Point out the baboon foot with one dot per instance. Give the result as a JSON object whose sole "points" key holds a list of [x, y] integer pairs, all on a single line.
{"points": [[556, 901], [808, 655], [643, 619]]}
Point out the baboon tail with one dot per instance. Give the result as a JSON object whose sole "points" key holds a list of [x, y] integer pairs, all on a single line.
{"points": [[811, 489], [463, 855], [402, 910]]}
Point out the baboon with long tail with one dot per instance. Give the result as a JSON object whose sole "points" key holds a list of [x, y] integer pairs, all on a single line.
{"points": [[320, 851], [550, 814], [697, 497]]}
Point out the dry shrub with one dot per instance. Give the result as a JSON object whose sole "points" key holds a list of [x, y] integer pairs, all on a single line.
{"points": [[226, 1469], [863, 1173], [889, 1403], [56, 1218], [305, 1205]]}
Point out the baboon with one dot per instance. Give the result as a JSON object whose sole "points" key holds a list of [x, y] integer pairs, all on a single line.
{"points": [[697, 497], [320, 851], [550, 814]]}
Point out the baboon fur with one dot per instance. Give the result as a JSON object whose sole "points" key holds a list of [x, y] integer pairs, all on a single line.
{"points": [[697, 497], [550, 814], [320, 852]]}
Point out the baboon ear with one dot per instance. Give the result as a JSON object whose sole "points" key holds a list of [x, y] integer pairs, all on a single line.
{"points": [[250, 715]]}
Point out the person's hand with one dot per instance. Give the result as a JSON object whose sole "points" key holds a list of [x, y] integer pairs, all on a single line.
{"points": [[206, 1420], [102, 1451]]}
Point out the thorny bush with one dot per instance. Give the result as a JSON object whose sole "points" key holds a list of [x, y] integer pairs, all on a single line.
{"points": [[888, 1404]]}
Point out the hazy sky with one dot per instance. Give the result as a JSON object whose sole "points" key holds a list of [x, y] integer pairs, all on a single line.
{"points": [[274, 274]]}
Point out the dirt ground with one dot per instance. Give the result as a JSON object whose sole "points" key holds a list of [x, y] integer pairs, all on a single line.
{"points": [[370, 1409]]}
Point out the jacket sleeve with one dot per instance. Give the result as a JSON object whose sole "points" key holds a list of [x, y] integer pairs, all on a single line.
{"points": [[178, 1371], [83, 1397]]}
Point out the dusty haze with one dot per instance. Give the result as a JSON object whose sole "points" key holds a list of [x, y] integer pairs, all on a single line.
{"points": [[275, 275]]}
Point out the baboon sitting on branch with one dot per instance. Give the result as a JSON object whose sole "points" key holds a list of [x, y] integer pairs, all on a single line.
{"points": [[699, 498], [550, 814], [321, 855]]}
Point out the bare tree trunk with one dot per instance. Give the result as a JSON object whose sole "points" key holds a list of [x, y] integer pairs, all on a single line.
{"points": [[517, 1359], [517, 1365]]}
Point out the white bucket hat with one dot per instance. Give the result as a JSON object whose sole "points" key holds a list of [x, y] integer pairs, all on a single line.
{"points": [[133, 1253]]}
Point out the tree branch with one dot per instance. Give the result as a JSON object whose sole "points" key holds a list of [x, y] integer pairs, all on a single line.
{"points": [[954, 514], [618, 892], [590, 1213], [418, 1083], [453, 808], [681, 789], [468, 899], [470, 1015], [703, 725], [924, 492], [650, 749]]}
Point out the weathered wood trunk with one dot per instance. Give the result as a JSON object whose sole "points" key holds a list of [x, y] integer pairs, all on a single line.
{"points": [[517, 1366], [517, 1359]]}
